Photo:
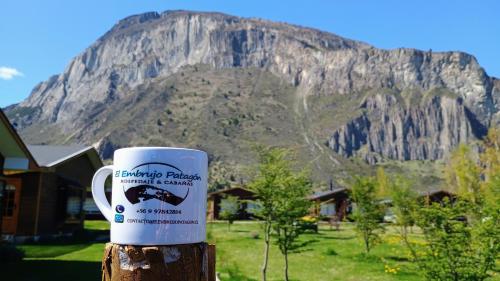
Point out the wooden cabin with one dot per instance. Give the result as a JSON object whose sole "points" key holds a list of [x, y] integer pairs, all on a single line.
{"points": [[436, 196], [428, 197], [215, 198], [15, 159], [44, 187], [333, 203]]}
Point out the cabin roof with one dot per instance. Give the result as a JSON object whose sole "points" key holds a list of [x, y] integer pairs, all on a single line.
{"points": [[13, 148], [434, 191], [230, 190], [53, 155], [322, 194]]}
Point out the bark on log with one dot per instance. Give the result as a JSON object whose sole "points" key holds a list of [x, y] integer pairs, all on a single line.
{"points": [[188, 262]]}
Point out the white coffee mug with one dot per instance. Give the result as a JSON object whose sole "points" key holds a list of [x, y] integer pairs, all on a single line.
{"points": [[159, 195]]}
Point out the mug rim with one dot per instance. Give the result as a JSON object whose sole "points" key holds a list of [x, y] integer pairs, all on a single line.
{"points": [[158, 148]]}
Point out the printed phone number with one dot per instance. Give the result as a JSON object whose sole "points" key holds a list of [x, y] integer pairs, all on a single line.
{"points": [[159, 211]]}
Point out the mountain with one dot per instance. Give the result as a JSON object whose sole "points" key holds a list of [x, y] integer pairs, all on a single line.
{"points": [[223, 83]]}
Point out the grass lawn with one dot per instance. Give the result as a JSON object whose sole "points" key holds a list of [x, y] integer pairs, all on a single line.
{"points": [[328, 255]]}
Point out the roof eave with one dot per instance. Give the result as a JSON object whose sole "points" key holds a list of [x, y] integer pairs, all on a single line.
{"points": [[97, 162], [32, 164]]}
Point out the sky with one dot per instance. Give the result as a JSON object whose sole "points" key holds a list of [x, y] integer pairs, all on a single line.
{"points": [[39, 38]]}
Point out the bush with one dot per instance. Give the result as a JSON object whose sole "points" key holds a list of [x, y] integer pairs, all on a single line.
{"points": [[10, 254], [330, 252]]}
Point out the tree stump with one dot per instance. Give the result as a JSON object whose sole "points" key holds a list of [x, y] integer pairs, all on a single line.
{"points": [[188, 262]]}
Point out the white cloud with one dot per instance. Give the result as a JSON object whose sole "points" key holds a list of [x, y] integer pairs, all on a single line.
{"points": [[7, 73]]}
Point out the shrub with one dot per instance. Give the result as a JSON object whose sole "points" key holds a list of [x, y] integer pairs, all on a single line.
{"points": [[330, 252]]}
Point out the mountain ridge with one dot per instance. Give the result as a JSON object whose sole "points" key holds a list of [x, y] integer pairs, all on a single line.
{"points": [[342, 97]]}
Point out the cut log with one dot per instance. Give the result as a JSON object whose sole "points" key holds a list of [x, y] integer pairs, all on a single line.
{"points": [[188, 262]]}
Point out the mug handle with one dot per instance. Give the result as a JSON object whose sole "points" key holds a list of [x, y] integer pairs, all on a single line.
{"points": [[98, 191]]}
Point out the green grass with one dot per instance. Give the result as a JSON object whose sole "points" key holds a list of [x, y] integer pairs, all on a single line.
{"points": [[50, 250], [328, 255], [96, 225]]}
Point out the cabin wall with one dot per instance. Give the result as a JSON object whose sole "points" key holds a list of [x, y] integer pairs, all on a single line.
{"points": [[52, 206], [47, 217], [79, 169], [2, 159], [28, 202], [241, 194], [340, 199], [216, 207], [210, 209]]}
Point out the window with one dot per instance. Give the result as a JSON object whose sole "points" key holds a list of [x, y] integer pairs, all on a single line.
{"points": [[73, 206], [327, 209], [8, 200], [253, 208]]}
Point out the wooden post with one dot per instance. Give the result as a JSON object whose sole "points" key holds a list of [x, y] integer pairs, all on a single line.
{"points": [[187, 262]]}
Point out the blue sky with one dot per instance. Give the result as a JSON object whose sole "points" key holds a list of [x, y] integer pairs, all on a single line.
{"points": [[39, 38]]}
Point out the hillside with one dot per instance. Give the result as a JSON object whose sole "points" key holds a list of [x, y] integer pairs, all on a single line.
{"points": [[222, 84]]}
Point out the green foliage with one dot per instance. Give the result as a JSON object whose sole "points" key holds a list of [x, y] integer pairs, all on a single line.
{"points": [[404, 203], [271, 172], [368, 212], [291, 205], [490, 163], [230, 207], [272, 169], [463, 174], [383, 183], [462, 236], [456, 248], [282, 198]]}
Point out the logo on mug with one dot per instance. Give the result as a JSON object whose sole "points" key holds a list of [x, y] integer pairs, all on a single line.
{"points": [[119, 218], [120, 209], [156, 180]]}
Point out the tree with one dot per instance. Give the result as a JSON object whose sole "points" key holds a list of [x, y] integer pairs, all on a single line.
{"points": [[368, 211], [383, 183], [281, 194], [490, 163], [291, 205], [455, 248], [230, 207], [462, 235], [404, 204], [271, 171], [463, 175]]}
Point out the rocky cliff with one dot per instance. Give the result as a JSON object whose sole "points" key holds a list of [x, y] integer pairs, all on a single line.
{"points": [[401, 104], [424, 129]]}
